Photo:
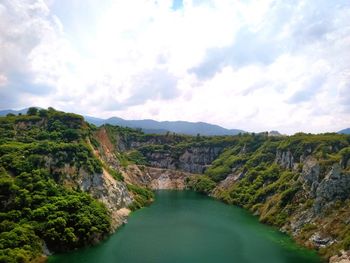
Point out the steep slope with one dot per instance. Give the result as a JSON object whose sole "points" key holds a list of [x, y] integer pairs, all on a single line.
{"points": [[53, 163], [55, 194], [299, 183], [116, 147]]}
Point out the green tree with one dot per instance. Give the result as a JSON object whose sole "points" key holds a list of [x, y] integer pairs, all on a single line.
{"points": [[32, 111], [43, 113]]}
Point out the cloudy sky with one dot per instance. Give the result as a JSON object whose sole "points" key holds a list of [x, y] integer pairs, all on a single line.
{"points": [[251, 64]]}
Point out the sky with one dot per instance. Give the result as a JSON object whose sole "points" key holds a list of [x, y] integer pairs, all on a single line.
{"points": [[255, 65]]}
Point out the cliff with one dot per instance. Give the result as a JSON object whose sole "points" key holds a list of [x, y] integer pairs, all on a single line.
{"points": [[300, 184], [56, 193], [66, 184]]}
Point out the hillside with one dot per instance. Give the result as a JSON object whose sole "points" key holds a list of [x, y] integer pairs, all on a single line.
{"points": [[53, 163], [55, 192], [300, 183]]}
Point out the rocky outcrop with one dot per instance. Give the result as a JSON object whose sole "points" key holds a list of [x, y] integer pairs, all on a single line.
{"points": [[104, 187], [162, 160], [298, 220], [106, 150], [228, 182], [310, 175], [112, 193], [155, 178], [166, 179], [335, 186], [134, 174], [284, 159], [344, 257], [197, 159], [191, 160], [320, 241]]}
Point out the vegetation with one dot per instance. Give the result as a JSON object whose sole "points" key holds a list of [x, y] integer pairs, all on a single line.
{"points": [[142, 196], [275, 193], [200, 183], [36, 209], [41, 151]]}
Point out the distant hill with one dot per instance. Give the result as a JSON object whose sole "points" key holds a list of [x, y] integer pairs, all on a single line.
{"points": [[5, 112], [157, 127], [345, 131], [274, 133]]}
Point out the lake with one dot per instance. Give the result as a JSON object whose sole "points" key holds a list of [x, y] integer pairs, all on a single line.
{"points": [[184, 226]]}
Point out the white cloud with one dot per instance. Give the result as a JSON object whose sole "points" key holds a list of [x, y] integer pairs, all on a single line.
{"points": [[255, 65]]}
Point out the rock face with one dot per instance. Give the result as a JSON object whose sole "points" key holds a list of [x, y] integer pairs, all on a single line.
{"points": [[155, 178], [343, 258], [106, 150], [162, 160], [320, 241], [310, 175], [166, 179], [104, 187], [285, 159], [335, 186], [192, 160], [227, 182], [197, 159]]}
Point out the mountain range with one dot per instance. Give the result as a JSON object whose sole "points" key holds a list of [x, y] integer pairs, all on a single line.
{"points": [[152, 126], [345, 131], [161, 127]]}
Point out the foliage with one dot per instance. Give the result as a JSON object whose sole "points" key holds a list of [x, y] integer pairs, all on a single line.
{"points": [[32, 111], [35, 207], [115, 173], [137, 157], [142, 196], [200, 183]]}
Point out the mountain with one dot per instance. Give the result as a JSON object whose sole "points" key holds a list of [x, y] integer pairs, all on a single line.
{"points": [[43, 203], [155, 127], [16, 112], [68, 185], [344, 131], [161, 127], [274, 133]]}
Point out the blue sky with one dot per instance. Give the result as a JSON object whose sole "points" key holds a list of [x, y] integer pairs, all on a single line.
{"points": [[254, 64]]}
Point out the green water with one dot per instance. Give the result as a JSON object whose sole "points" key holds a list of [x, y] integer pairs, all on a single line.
{"points": [[183, 226]]}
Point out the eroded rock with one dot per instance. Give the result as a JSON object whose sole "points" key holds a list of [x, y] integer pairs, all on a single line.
{"points": [[310, 175], [284, 159], [321, 241], [344, 257]]}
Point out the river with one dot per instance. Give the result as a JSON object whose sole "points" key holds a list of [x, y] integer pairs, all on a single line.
{"points": [[187, 227]]}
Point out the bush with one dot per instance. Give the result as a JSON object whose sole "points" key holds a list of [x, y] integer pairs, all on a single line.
{"points": [[142, 196], [200, 183], [32, 111]]}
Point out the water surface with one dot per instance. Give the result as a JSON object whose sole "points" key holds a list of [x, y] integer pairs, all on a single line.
{"points": [[187, 227]]}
